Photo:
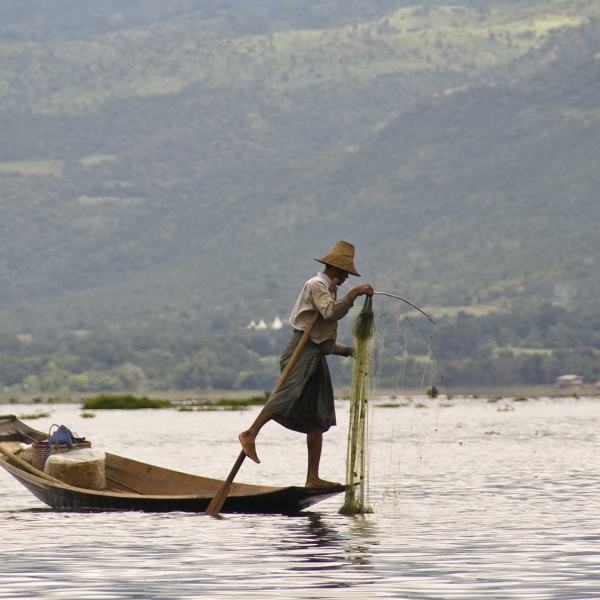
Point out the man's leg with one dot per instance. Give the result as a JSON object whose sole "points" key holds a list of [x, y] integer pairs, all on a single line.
{"points": [[314, 444], [248, 437]]}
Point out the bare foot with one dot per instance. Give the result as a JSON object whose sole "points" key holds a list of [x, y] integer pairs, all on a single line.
{"points": [[247, 442], [321, 483]]}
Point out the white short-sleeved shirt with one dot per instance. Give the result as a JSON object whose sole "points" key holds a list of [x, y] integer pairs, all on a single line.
{"points": [[315, 295]]}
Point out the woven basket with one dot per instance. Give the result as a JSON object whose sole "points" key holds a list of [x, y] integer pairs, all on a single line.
{"points": [[42, 450]]}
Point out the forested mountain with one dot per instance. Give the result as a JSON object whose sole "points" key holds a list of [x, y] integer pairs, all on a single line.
{"points": [[178, 165]]}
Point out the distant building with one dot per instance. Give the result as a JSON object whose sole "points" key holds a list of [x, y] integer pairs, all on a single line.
{"points": [[571, 382], [261, 325]]}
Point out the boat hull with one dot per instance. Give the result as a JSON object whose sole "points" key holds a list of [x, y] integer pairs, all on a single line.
{"points": [[286, 500]]}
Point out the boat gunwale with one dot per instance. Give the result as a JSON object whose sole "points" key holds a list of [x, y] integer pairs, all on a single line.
{"points": [[6, 464]]}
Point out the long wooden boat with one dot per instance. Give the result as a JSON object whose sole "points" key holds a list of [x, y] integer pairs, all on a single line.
{"points": [[138, 486]]}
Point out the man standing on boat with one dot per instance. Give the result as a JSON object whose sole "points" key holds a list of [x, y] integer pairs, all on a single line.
{"points": [[304, 402]]}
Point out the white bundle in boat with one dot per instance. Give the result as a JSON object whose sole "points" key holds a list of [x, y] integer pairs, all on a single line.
{"points": [[81, 468]]}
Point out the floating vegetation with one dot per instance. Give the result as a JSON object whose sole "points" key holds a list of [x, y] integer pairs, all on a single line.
{"points": [[86, 415], [520, 399], [492, 433], [128, 402], [37, 415], [356, 457], [209, 408], [222, 404], [124, 402]]}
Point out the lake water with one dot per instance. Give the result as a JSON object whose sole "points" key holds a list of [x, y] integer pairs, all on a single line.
{"points": [[470, 499]]}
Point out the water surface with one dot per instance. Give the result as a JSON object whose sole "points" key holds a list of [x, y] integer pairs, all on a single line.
{"points": [[470, 499]]}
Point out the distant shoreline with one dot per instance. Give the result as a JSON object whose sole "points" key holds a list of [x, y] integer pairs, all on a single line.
{"points": [[342, 393]]}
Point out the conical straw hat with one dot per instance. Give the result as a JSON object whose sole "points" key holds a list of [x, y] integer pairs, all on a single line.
{"points": [[342, 257]]}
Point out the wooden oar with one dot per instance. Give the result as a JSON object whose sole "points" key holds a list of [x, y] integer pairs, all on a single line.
{"points": [[216, 504], [25, 466]]}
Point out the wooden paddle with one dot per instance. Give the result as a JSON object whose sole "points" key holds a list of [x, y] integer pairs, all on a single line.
{"points": [[216, 504]]}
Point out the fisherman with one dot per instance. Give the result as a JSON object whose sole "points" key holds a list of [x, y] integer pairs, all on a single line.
{"points": [[305, 402]]}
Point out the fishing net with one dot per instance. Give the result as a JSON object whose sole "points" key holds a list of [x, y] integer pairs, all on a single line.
{"points": [[403, 354], [393, 363], [405, 380], [356, 457]]}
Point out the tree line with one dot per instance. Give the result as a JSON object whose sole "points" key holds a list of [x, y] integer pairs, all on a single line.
{"points": [[531, 346]]}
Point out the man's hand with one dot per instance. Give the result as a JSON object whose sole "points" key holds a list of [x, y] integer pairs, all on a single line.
{"points": [[362, 290]]}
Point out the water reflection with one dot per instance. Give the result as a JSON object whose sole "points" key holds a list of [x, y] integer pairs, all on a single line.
{"points": [[339, 548], [363, 541], [322, 534]]}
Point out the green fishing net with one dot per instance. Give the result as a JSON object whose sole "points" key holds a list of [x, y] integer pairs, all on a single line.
{"points": [[356, 457]]}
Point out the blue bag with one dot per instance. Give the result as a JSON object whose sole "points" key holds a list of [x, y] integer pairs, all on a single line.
{"points": [[63, 436]]}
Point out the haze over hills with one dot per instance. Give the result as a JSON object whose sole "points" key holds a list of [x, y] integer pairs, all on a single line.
{"points": [[188, 160]]}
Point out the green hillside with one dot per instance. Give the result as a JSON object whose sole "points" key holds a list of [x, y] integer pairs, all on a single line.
{"points": [[180, 164]]}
